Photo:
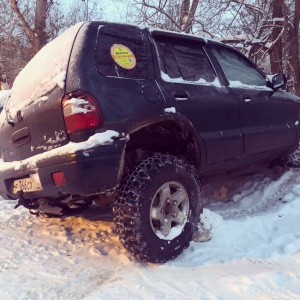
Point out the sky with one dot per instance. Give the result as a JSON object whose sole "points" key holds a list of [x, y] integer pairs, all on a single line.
{"points": [[112, 9]]}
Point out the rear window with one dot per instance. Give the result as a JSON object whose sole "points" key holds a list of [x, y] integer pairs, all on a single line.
{"points": [[46, 70], [121, 52]]}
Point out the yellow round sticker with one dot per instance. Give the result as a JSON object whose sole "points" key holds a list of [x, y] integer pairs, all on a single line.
{"points": [[123, 56]]}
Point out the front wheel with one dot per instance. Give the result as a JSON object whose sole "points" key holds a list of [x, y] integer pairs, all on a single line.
{"points": [[157, 208]]}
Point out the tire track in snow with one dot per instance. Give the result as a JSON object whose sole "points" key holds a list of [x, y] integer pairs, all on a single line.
{"points": [[57, 255], [255, 194]]}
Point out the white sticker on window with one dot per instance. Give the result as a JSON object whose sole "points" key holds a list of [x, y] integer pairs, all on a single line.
{"points": [[123, 56]]}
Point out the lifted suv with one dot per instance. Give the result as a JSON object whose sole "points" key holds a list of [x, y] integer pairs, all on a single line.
{"points": [[111, 110]]}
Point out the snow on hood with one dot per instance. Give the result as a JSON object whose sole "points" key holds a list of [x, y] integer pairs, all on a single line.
{"points": [[46, 70]]}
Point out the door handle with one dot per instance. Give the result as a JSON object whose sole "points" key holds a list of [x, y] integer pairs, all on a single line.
{"points": [[247, 98], [180, 96]]}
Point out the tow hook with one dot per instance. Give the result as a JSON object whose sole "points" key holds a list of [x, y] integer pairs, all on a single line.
{"points": [[25, 202]]}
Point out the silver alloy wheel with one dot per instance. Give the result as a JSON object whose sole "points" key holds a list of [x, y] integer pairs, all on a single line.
{"points": [[169, 210]]}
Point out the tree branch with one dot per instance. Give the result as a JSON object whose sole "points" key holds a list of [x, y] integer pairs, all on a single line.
{"points": [[252, 7], [28, 29], [162, 11]]}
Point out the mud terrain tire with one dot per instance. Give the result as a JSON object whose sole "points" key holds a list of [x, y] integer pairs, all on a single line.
{"points": [[160, 189]]}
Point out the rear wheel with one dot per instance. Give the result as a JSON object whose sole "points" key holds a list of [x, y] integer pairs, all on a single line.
{"points": [[157, 209]]}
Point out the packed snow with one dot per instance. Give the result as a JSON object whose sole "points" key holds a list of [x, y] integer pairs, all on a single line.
{"points": [[170, 110], [253, 253]]}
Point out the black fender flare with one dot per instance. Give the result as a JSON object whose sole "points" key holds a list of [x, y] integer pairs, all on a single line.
{"points": [[183, 122]]}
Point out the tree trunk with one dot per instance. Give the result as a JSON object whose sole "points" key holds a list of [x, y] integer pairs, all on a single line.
{"points": [[185, 7], [276, 52], [3, 78], [40, 26], [187, 15], [191, 17], [37, 35], [294, 47]]}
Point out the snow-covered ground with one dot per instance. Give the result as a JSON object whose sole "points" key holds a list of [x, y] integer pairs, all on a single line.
{"points": [[254, 252]]}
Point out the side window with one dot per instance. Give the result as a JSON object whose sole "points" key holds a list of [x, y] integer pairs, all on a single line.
{"points": [[121, 52], [238, 68], [184, 60]]}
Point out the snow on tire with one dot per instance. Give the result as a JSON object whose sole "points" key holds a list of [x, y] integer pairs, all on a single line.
{"points": [[157, 208]]}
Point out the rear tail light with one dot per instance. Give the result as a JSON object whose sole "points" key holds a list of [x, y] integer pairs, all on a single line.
{"points": [[81, 111]]}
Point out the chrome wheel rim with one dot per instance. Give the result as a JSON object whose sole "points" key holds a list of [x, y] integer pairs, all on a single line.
{"points": [[169, 210]]}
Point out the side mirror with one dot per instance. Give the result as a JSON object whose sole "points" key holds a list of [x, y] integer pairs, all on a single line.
{"points": [[278, 80]]}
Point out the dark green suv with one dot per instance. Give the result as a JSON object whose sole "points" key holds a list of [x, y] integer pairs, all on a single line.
{"points": [[112, 111]]}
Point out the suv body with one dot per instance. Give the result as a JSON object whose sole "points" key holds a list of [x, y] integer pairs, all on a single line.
{"points": [[103, 96]]}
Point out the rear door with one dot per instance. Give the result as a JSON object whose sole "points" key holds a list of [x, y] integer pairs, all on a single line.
{"points": [[32, 121], [267, 118], [189, 83]]}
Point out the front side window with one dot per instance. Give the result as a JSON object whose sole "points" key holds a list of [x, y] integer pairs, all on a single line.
{"points": [[237, 68], [184, 60], [121, 52]]}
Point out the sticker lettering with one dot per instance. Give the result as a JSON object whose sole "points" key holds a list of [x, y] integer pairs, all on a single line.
{"points": [[123, 56]]}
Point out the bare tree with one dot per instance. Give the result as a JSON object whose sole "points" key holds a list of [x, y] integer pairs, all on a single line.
{"points": [[278, 37], [27, 25], [9, 35], [267, 31], [293, 32], [177, 15], [35, 32]]}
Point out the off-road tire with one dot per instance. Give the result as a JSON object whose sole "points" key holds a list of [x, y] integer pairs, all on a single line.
{"points": [[134, 201]]}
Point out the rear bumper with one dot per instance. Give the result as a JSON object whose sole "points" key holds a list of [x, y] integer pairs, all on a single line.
{"points": [[86, 172]]}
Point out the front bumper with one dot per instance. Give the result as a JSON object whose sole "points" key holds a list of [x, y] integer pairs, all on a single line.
{"points": [[87, 172]]}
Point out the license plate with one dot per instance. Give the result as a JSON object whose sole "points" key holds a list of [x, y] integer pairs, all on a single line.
{"points": [[29, 184]]}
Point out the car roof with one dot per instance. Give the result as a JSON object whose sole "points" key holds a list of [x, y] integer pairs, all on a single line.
{"points": [[158, 31]]}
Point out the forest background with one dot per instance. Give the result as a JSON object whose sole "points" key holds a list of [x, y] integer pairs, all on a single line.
{"points": [[266, 31]]}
